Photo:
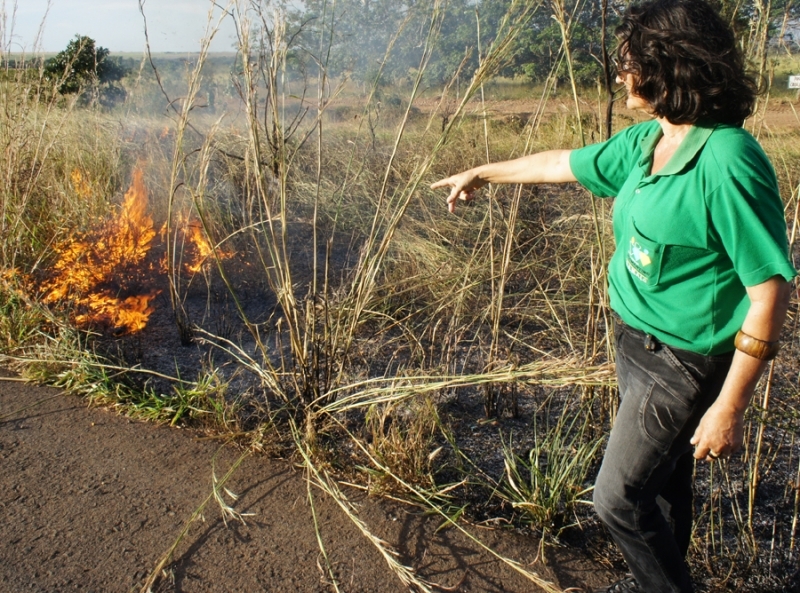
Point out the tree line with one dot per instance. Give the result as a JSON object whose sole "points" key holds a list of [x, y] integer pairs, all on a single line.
{"points": [[352, 38], [355, 34]]}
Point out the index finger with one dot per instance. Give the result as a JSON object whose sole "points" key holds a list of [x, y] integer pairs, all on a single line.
{"points": [[442, 183]]}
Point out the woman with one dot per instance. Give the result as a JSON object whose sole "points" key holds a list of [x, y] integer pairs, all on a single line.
{"points": [[699, 282]]}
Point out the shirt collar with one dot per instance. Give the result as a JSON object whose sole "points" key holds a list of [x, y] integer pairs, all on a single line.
{"points": [[692, 144]]}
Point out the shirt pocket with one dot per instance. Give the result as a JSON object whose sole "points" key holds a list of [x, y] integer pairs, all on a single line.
{"points": [[643, 257]]}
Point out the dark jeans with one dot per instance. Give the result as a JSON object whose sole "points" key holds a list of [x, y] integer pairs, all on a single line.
{"points": [[643, 492]]}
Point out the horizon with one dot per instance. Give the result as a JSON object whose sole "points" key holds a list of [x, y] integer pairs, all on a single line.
{"points": [[173, 26]]}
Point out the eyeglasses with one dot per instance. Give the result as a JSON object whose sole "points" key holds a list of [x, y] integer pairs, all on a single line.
{"points": [[624, 66]]}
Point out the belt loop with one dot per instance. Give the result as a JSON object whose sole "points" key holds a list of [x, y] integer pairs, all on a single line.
{"points": [[650, 343]]}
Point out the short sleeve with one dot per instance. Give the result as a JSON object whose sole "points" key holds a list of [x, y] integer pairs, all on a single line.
{"points": [[603, 168], [747, 216]]}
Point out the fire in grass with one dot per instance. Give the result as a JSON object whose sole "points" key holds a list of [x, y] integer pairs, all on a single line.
{"points": [[94, 271], [108, 275], [196, 246]]}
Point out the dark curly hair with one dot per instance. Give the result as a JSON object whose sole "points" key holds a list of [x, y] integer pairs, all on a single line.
{"points": [[685, 62]]}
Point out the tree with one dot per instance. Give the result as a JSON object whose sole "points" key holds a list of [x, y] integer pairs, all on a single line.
{"points": [[82, 67], [358, 31]]}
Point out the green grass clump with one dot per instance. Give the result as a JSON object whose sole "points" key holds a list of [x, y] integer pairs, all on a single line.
{"points": [[546, 484]]}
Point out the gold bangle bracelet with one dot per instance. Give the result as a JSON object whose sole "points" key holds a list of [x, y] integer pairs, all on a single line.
{"points": [[756, 348]]}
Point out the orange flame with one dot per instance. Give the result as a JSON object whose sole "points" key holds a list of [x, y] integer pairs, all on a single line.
{"points": [[202, 246], [130, 314], [86, 263], [81, 185]]}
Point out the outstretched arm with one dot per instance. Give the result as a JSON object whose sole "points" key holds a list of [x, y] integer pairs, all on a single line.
{"points": [[551, 166]]}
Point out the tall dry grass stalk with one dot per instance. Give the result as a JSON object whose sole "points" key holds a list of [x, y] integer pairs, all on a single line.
{"points": [[179, 170], [599, 296]]}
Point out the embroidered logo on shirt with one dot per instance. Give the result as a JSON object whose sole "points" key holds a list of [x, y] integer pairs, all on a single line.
{"points": [[638, 260]]}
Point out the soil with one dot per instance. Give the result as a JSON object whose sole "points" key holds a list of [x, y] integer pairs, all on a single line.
{"points": [[92, 500]]}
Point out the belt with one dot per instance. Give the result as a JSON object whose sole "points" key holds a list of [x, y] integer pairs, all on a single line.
{"points": [[652, 344]]}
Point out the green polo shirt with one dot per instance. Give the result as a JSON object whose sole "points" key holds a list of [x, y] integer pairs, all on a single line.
{"points": [[691, 237]]}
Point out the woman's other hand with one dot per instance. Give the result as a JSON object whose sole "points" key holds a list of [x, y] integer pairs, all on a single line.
{"points": [[720, 432]]}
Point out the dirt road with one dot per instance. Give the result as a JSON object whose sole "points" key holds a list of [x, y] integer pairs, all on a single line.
{"points": [[90, 501]]}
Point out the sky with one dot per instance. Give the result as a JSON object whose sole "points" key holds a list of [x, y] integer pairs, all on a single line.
{"points": [[173, 25]]}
